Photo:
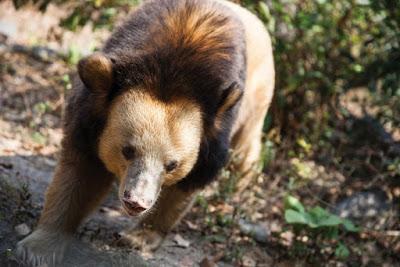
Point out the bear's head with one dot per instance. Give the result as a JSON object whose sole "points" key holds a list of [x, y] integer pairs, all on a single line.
{"points": [[155, 132], [146, 143]]}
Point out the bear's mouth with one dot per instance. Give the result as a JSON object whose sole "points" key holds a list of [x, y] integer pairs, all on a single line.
{"points": [[132, 210]]}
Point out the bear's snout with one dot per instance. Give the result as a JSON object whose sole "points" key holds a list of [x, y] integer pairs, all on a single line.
{"points": [[139, 189]]}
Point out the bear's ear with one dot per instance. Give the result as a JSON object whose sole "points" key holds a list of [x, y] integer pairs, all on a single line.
{"points": [[96, 73], [230, 96]]}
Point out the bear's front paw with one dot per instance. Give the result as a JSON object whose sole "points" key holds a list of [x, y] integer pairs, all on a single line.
{"points": [[143, 239], [42, 248]]}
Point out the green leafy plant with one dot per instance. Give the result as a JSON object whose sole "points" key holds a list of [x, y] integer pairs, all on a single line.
{"points": [[318, 222], [315, 217]]}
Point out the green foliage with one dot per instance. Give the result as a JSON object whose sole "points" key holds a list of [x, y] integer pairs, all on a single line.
{"points": [[39, 138], [42, 107], [314, 218], [268, 154], [224, 220], [322, 48], [74, 55], [342, 252], [202, 202], [66, 81], [100, 16], [318, 223]]}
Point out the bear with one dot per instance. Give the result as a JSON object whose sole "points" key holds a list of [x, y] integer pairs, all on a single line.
{"points": [[158, 109]]}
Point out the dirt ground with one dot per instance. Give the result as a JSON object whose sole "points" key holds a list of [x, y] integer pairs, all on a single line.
{"points": [[349, 175]]}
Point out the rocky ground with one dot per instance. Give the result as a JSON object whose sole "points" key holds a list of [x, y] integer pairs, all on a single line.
{"points": [[353, 172]]}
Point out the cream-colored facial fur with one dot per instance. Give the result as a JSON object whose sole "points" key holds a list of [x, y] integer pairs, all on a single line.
{"points": [[158, 133]]}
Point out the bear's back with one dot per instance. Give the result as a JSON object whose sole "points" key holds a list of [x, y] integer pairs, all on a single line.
{"points": [[191, 47]]}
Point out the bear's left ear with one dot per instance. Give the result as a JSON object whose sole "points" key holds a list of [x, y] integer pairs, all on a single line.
{"points": [[96, 73], [230, 96]]}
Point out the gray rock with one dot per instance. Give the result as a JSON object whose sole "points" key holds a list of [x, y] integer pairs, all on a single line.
{"points": [[258, 232], [22, 229]]}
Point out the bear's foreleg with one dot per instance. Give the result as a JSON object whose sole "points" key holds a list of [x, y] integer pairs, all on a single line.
{"points": [[77, 188]]}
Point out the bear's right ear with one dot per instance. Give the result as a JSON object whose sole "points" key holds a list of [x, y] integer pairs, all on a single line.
{"points": [[96, 73]]}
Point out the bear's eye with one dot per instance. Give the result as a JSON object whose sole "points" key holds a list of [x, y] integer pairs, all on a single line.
{"points": [[171, 166], [128, 152]]}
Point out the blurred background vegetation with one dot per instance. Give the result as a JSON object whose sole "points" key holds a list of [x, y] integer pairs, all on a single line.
{"points": [[323, 48]]}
